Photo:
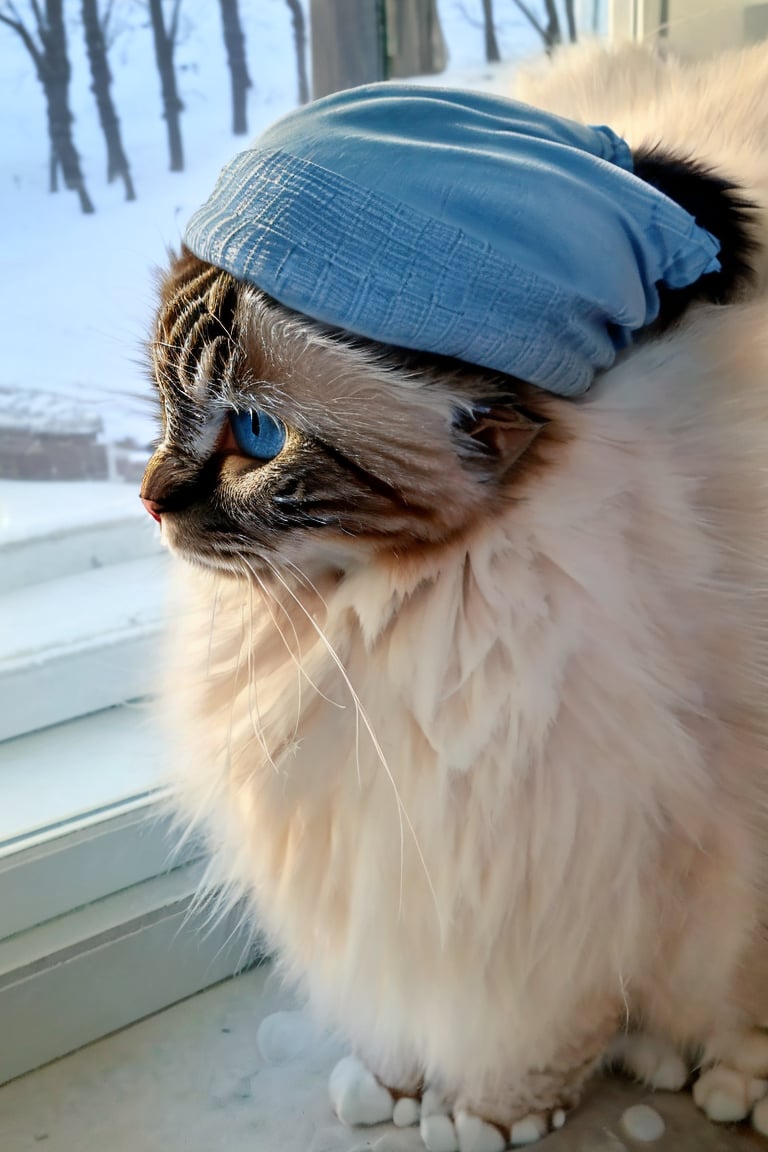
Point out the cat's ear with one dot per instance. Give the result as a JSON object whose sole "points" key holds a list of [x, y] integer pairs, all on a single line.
{"points": [[503, 432], [716, 204]]}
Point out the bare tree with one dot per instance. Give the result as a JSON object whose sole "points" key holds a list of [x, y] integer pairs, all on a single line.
{"points": [[551, 31], [47, 45], [300, 41], [492, 53], [234, 41], [570, 17], [165, 44], [554, 33], [101, 79]]}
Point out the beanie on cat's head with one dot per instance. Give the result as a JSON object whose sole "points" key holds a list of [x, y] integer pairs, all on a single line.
{"points": [[457, 223]]}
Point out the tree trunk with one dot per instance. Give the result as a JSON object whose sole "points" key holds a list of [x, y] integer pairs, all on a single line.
{"points": [[300, 41], [52, 68], [534, 22], [492, 53], [101, 79], [234, 42], [165, 42], [413, 38], [553, 35], [57, 74], [570, 17]]}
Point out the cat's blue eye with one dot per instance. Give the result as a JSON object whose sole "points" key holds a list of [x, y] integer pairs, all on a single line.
{"points": [[258, 434]]}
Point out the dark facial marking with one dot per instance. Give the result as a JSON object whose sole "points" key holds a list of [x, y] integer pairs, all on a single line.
{"points": [[718, 206]]}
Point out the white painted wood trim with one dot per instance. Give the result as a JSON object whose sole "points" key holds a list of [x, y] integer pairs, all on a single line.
{"points": [[100, 968]]}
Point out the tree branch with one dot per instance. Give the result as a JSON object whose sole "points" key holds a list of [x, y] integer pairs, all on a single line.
{"points": [[41, 24], [105, 19], [469, 19], [174, 25], [554, 34], [26, 36], [532, 20]]}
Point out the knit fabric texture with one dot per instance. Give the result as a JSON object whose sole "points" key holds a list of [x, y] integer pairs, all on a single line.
{"points": [[457, 223]]}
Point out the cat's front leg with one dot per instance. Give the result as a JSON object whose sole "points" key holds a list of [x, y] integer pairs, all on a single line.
{"points": [[520, 1110], [360, 1097]]}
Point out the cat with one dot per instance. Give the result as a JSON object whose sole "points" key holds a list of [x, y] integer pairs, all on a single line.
{"points": [[468, 681]]}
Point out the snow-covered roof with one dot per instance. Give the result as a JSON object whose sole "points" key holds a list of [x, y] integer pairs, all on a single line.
{"points": [[45, 413]]}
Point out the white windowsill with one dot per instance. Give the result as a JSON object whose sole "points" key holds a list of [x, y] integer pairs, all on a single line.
{"points": [[195, 1079], [72, 774]]}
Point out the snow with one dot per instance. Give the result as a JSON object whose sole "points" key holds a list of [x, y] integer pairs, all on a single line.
{"points": [[31, 410], [643, 1123], [37, 509], [77, 292], [284, 1036]]}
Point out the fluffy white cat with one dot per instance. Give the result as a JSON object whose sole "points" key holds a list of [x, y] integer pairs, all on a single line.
{"points": [[490, 761]]}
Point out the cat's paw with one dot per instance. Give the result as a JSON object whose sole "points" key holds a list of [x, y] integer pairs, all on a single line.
{"points": [[466, 1132], [357, 1096], [727, 1095], [650, 1059], [477, 1135], [532, 1127]]}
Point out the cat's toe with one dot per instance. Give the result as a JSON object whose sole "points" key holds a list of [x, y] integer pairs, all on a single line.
{"points": [[407, 1112], [727, 1095], [760, 1116], [476, 1135], [531, 1128], [439, 1133], [652, 1060], [357, 1096]]}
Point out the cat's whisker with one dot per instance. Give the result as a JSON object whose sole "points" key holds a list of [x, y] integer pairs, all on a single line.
{"points": [[253, 699], [299, 664], [235, 686], [265, 596], [306, 580], [358, 706], [361, 714], [217, 590]]}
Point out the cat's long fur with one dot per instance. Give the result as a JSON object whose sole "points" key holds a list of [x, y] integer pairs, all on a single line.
{"points": [[532, 809]]}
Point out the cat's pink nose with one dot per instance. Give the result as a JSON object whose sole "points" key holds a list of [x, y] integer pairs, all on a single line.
{"points": [[152, 507]]}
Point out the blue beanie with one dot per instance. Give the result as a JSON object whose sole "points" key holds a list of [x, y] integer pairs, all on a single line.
{"points": [[457, 223]]}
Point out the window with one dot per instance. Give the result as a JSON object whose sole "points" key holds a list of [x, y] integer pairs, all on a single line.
{"points": [[97, 925]]}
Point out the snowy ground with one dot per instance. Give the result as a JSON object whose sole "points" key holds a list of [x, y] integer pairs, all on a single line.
{"points": [[30, 509], [77, 291]]}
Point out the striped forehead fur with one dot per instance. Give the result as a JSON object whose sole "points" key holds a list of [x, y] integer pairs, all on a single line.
{"points": [[196, 343]]}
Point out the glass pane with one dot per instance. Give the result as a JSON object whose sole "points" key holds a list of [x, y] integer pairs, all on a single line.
{"points": [[87, 218]]}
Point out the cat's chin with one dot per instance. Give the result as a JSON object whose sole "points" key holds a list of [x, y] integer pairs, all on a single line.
{"points": [[219, 565], [199, 553]]}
